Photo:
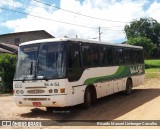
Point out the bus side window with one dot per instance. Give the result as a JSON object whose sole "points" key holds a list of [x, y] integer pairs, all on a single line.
{"points": [[139, 56], [105, 56], [126, 53], [131, 56], [110, 56], [118, 56], [142, 58], [101, 56], [74, 63], [94, 56], [74, 56], [86, 55], [135, 56]]}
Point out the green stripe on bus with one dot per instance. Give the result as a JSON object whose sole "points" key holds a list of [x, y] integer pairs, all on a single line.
{"points": [[123, 71]]}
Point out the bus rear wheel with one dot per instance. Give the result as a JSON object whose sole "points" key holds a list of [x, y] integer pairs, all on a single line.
{"points": [[87, 98], [128, 90]]}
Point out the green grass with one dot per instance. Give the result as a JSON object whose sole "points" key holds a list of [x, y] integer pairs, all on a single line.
{"points": [[152, 64], [152, 68], [152, 75]]}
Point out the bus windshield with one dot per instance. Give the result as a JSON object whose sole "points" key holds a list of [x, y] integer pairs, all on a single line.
{"points": [[41, 61]]}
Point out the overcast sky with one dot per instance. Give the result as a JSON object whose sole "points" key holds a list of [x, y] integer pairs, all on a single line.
{"points": [[110, 15]]}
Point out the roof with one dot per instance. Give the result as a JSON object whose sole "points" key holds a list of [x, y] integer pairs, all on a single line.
{"points": [[8, 48], [17, 33], [77, 39], [4, 51]]}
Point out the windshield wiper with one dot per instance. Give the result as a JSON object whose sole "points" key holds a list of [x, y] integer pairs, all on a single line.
{"points": [[26, 71], [31, 68]]}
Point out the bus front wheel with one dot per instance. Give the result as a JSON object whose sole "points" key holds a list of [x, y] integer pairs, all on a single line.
{"points": [[128, 90], [49, 109], [87, 98]]}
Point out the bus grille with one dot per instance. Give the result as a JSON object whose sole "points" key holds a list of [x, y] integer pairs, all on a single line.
{"points": [[37, 99], [35, 91]]}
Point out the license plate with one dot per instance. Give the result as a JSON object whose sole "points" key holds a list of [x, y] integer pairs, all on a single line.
{"points": [[36, 103]]}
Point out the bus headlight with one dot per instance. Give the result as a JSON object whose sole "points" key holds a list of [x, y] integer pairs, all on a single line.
{"points": [[17, 91], [55, 90], [50, 90], [22, 91]]}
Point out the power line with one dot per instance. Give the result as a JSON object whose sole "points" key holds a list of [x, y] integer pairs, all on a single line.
{"points": [[47, 18], [113, 27], [78, 13], [104, 28], [51, 19], [22, 9], [58, 8], [110, 29]]}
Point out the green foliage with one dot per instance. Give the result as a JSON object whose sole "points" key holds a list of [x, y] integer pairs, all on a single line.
{"points": [[144, 42], [7, 69], [145, 27]]}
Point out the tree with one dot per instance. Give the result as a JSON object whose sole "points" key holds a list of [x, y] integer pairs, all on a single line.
{"points": [[144, 42], [145, 27]]}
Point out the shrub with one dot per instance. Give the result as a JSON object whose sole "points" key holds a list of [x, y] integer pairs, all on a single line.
{"points": [[7, 69]]}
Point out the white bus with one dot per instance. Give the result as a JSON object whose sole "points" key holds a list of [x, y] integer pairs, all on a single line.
{"points": [[66, 72]]}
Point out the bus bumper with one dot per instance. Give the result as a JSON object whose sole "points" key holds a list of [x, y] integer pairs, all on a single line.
{"points": [[41, 101]]}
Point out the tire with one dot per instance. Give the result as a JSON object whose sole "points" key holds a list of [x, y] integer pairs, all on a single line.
{"points": [[49, 109], [87, 98], [128, 90]]}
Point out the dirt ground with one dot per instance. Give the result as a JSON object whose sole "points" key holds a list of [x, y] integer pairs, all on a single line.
{"points": [[143, 104]]}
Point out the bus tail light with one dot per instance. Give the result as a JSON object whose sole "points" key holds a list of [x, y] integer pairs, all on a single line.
{"points": [[62, 90]]}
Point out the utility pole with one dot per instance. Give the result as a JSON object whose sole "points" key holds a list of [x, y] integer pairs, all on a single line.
{"points": [[100, 33]]}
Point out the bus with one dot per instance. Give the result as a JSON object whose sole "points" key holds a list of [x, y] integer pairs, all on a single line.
{"points": [[70, 71]]}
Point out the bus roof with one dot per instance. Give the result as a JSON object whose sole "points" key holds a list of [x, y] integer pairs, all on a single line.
{"points": [[77, 39]]}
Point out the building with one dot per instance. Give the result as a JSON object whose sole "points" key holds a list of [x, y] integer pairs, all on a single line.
{"points": [[20, 37], [9, 42]]}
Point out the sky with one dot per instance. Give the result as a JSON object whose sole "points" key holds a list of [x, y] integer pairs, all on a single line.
{"points": [[71, 18]]}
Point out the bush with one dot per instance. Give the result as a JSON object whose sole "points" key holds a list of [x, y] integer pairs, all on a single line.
{"points": [[7, 69]]}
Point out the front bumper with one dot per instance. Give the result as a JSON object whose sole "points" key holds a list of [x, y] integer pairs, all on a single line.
{"points": [[45, 101]]}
